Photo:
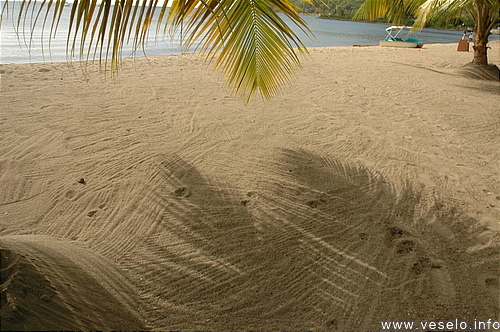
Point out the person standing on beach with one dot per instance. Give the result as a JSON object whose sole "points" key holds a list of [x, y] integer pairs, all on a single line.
{"points": [[472, 36]]}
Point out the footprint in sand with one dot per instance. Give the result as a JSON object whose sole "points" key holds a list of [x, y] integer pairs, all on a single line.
{"points": [[405, 246], [71, 194], [492, 285], [182, 192], [422, 265], [441, 283], [442, 230], [491, 282], [393, 233], [91, 213]]}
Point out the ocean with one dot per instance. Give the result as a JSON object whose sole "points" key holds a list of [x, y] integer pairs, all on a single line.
{"points": [[24, 46]]}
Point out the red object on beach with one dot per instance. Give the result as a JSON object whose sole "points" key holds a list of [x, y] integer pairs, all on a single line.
{"points": [[463, 45]]}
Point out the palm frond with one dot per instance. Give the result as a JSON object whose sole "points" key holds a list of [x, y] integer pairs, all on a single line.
{"points": [[444, 9], [249, 41], [371, 10], [252, 44], [394, 11]]}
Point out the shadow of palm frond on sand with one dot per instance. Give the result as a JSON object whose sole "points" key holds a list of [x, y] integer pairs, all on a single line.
{"points": [[321, 244], [316, 244]]}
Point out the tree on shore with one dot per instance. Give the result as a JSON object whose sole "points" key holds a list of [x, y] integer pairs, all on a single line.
{"points": [[484, 13], [246, 39]]}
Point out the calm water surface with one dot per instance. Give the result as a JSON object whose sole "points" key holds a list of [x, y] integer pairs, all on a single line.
{"points": [[18, 47]]}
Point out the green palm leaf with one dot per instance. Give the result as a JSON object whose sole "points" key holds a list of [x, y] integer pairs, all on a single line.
{"points": [[394, 10], [253, 45], [247, 39], [479, 10]]}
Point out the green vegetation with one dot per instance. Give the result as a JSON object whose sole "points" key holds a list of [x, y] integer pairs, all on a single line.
{"points": [[346, 10]]}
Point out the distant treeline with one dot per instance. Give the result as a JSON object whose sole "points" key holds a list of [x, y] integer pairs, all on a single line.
{"points": [[345, 10]]}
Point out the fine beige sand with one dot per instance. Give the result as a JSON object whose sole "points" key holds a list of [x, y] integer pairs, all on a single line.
{"points": [[369, 191]]}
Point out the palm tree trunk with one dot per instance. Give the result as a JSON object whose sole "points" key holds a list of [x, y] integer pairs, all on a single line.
{"points": [[480, 50], [480, 47]]}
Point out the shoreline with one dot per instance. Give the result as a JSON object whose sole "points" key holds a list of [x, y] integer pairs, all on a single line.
{"points": [[129, 58]]}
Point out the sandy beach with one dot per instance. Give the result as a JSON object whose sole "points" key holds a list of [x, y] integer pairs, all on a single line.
{"points": [[368, 192]]}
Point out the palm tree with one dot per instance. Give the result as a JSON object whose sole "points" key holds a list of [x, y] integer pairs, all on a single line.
{"points": [[246, 39], [485, 14]]}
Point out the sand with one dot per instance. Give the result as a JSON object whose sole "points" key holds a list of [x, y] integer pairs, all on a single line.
{"points": [[369, 191]]}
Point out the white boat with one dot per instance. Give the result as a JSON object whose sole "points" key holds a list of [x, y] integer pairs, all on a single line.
{"points": [[395, 38]]}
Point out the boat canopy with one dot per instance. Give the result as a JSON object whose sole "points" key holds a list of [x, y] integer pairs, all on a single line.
{"points": [[397, 27], [395, 30]]}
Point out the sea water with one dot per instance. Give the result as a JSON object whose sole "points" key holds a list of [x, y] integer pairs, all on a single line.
{"points": [[22, 45]]}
